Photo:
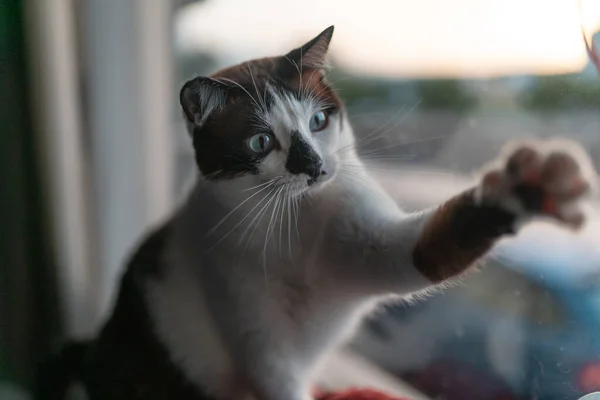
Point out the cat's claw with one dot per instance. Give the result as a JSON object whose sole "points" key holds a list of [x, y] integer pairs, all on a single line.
{"points": [[531, 182]]}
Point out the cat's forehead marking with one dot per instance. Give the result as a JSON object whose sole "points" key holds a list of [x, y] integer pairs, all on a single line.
{"points": [[289, 113]]}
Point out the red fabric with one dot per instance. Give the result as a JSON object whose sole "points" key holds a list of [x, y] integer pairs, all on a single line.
{"points": [[357, 394]]}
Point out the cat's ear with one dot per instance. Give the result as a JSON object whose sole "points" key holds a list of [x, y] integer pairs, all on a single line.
{"points": [[312, 54], [200, 97]]}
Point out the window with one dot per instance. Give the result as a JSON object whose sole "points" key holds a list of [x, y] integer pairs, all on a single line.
{"points": [[510, 292], [433, 89]]}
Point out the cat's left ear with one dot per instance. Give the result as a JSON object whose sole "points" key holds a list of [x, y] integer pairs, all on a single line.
{"points": [[312, 54]]}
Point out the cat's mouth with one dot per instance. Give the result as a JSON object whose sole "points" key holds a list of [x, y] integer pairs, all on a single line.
{"points": [[312, 180], [320, 181], [297, 185]]}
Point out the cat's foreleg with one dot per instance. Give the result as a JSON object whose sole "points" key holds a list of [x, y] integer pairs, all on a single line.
{"points": [[529, 182], [415, 251]]}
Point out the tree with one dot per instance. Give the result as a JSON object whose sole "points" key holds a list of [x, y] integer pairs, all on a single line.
{"points": [[447, 94], [568, 92]]}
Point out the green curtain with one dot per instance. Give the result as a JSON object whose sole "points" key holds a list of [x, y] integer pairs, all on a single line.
{"points": [[29, 320]]}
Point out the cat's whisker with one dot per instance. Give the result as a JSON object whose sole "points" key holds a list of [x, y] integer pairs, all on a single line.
{"points": [[289, 218], [266, 89], [262, 184], [405, 143], [355, 116], [241, 87], [271, 225], [295, 64], [371, 138], [310, 92], [305, 90], [255, 222], [354, 176], [301, 64], [349, 147], [387, 157], [314, 95], [392, 167], [307, 196], [394, 126], [337, 81], [283, 203], [296, 201], [262, 101], [214, 229], [237, 224]]}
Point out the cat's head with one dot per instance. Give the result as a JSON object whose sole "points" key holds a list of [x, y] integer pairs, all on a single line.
{"points": [[267, 120]]}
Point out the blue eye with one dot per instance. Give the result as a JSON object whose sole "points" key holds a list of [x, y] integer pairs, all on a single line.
{"points": [[261, 143], [318, 121]]}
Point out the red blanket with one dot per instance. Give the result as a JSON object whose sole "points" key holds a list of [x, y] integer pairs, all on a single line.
{"points": [[357, 394]]}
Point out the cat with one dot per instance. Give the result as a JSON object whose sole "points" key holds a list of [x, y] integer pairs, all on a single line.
{"points": [[286, 242]]}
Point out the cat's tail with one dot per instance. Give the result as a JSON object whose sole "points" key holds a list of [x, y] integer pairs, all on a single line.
{"points": [[56, 374]]}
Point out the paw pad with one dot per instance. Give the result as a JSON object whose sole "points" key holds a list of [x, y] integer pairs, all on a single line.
{"points": [[532, 182]]}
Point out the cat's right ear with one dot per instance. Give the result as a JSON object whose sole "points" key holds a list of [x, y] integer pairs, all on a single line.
{"points": [[200, 97]]}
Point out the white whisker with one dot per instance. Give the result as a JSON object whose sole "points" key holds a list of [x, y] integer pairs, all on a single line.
{"points": [[406, 143], [239, 223], [255, 222], [289, 223], [262, 101], [241, 87], [281, 218], [210, 232], [394, 168], [262, 184], [271, 226], [371, 138]]}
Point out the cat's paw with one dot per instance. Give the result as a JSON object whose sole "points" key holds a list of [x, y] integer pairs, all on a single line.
{"points": [[540, 179]]}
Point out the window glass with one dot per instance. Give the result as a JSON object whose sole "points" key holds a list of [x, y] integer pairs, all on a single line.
{"points": [[434, 88], [510, 292]]}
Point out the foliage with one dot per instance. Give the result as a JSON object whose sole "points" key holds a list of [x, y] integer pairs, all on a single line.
{"points": [[445, 94], [429, 93], [193, 64], [562, 92]]}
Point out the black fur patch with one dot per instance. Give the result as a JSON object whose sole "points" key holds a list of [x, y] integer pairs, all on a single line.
{"points": [[127, 361], [302, 158]]}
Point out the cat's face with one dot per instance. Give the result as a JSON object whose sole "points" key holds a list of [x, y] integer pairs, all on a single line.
{"points": [[272, 120]]}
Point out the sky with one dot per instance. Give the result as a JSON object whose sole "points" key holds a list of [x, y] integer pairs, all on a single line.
{"points": [[401, 38]]}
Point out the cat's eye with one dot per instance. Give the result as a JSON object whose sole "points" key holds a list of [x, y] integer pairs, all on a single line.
{"points": [[260, 143], [318, 121]]}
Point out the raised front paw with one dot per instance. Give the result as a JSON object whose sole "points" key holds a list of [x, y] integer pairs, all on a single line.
{"points": [[540, 179]]}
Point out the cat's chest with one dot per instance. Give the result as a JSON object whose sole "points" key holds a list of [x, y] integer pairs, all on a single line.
{"points": [[313, 315]]}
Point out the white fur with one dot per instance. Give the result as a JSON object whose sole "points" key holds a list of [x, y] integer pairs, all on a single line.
{"points": [[209, 100], [182, 319]]}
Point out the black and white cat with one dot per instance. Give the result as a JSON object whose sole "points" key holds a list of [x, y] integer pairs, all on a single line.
{"points": [[286, 241]]}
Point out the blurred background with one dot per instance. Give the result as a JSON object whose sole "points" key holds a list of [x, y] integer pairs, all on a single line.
{"points": [[93, 153]]}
